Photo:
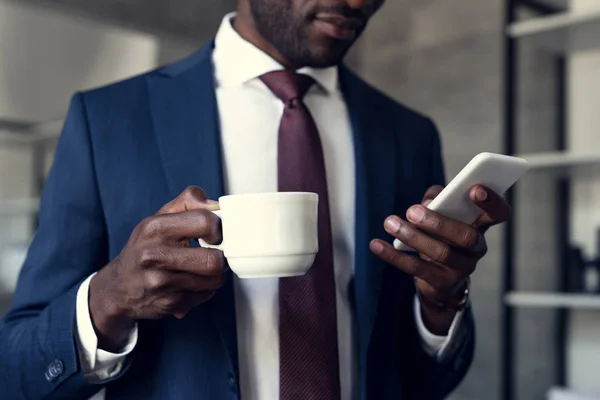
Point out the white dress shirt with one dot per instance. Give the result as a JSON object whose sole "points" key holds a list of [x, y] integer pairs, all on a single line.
{"points": [[249, 120]]}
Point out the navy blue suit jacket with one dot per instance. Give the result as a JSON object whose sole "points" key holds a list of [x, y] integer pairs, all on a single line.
{"points": [[130, 147]]}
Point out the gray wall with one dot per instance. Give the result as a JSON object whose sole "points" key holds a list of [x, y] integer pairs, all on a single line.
{"points": [[444, 58]]}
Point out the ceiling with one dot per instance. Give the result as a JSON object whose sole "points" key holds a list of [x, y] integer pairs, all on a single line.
{"points": [[182, 19], [194, 20]]}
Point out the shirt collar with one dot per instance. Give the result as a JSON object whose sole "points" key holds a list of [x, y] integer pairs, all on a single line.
{"points": [[237, 61]]}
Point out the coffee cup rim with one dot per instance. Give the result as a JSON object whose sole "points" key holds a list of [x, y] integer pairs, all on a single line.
{"points": [[272, 195]]}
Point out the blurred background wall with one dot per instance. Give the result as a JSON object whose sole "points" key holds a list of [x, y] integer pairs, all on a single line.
{"points": [[443, 58]]}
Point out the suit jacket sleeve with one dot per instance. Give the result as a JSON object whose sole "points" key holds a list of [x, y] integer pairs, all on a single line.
{"points": [[39, 356], [426, 377]]}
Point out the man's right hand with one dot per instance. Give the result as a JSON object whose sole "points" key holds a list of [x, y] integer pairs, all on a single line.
{"points": [[158, 274]]}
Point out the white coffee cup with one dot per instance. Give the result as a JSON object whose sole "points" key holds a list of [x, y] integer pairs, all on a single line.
{"points": [[269, 234]]}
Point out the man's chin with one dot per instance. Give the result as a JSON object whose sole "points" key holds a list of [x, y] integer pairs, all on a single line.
{"points": [[325, 58]]}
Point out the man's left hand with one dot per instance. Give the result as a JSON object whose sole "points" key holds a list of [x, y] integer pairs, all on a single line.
{"points": [[449, 250]]}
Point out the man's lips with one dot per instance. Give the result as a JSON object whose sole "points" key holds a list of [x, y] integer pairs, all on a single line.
{"points": [[338, 26]]}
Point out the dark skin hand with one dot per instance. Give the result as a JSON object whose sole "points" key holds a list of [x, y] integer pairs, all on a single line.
{"points": [[449, 250], [157, 274]]}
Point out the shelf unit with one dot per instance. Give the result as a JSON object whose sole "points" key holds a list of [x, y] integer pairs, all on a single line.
{"points": [[563, 164], [31, 134], [15, 207], [559, 32], [552, 300], [38, 138]]}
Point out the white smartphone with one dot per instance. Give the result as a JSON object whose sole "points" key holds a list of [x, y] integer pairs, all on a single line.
{"points": [[497, 172]]}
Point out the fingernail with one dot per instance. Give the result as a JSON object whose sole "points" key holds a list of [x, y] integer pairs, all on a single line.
{"points": [[427, 202], [213, 205], [392, 224], [415, 214], [376, 247], [481, 195]]}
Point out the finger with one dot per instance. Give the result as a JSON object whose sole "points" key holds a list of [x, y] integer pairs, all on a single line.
{"points": [[198, 261], [168, 303], [192, 198], [192, 283], [184, 225], [431, 194], [191, 301], [164, 283], [496, 209], [437, 250], [453, 232], [414, 266]]}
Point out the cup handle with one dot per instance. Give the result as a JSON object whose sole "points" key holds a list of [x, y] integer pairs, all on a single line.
{"points": [[212, 246]]}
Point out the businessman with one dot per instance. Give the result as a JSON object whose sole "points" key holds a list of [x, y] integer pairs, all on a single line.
{"points": [[116, 300]]}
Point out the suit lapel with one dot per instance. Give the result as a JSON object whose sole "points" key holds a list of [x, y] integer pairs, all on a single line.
{"points": [[184, 112], [185, 117], [375, 155]]}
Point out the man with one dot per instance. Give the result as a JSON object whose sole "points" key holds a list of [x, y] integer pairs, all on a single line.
{"points": [[117, 300]]}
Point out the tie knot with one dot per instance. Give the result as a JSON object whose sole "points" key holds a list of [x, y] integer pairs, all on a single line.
{"points": [[287, 85]]}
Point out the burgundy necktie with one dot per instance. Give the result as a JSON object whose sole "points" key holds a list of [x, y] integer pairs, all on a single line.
{"points": [[308, 347]]}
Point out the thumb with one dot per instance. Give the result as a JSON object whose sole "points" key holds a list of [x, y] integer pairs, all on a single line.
{"points": [[192, 198]]}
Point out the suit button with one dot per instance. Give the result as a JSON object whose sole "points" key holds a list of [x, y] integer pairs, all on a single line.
{"points": [[54, 370], [232, 383]]}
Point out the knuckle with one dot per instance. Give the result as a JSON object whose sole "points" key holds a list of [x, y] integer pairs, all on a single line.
{"points": [[206, 222], [143, 225], [391, 256], [168, 208], [212, 225], [147, 257], [409, 234], [189, 191], [169, 302], [443, 253], [150, 226], [204, 219], [470, 238], [436, 223], [214, 261], [413, 266], [193, 193], [183, 258], [154, 280], [393, 259]]}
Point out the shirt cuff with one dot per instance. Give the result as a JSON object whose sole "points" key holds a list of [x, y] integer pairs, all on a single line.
{"points": [[434, 345], [96, 364]]}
